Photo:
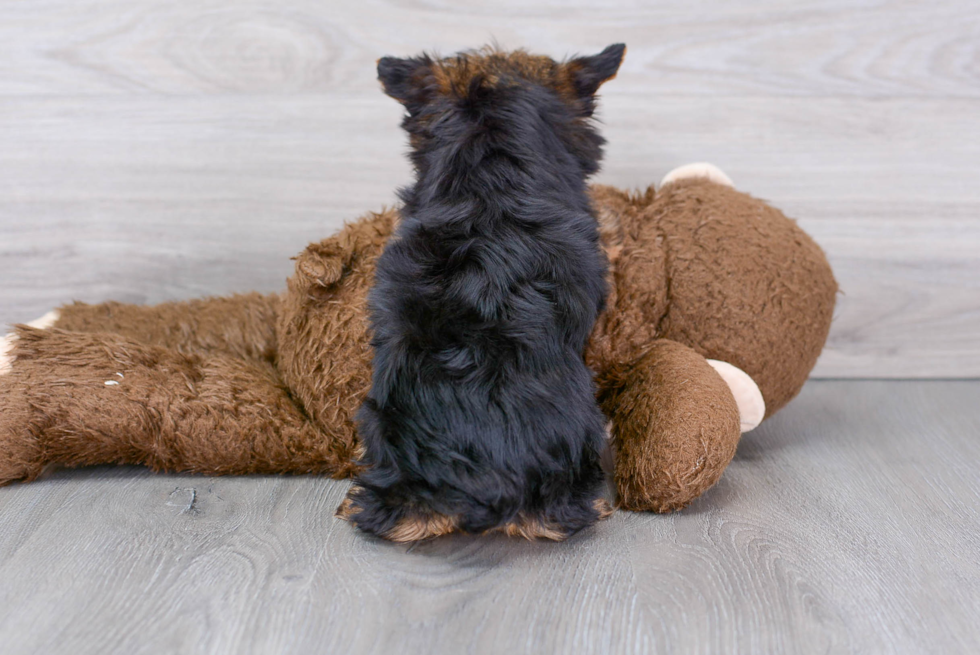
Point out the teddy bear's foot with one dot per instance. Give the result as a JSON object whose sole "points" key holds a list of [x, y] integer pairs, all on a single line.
{"points": [[751, 404], [7, 342], [21, 455], [697, 170], [672, 441]]}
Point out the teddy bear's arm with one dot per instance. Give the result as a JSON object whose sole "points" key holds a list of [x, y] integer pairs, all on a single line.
{"points": [[241, 325], [78, 399], [675, 428], [327, 262]]}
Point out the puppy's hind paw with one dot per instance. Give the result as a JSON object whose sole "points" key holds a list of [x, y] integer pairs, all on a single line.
{"points": [[532, 528], [537, 527], [421, 526], [603, 507], [400, 525], [346, 510]]}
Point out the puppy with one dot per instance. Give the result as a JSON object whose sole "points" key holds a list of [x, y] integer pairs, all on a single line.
{"points": [[481, 414]]}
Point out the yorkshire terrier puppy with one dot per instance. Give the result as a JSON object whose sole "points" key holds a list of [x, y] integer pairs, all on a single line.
{"points": [[481, 414]]}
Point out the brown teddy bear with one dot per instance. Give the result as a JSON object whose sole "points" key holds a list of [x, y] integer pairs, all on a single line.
{"points": [[719, 306]]}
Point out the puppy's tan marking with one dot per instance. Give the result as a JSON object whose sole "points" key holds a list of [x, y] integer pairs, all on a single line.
{"points": [[346, 510], [417, 528]]}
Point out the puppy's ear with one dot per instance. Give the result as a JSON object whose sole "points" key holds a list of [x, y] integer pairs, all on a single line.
{"points": [[588, 73], [405, 80]]}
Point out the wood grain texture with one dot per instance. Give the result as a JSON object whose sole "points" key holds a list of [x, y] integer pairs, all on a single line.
{"points": [[849, 523], [883, 48], [167, 150], [116, 208]]}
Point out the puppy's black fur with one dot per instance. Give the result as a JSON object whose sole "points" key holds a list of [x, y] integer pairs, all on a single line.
{"points": [[481, 413]]}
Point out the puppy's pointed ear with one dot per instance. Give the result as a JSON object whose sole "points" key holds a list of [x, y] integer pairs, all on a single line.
{"points": [[588, 73], [405, 80]]}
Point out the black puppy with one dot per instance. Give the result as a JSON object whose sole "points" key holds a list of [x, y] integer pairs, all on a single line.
{"points": [[481, 414]]}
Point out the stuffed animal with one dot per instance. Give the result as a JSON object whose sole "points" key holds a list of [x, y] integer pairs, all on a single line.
{"points": [[719, 306]]}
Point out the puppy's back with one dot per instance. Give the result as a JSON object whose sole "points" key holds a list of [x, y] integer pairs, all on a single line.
{"points": [[482, 414]]}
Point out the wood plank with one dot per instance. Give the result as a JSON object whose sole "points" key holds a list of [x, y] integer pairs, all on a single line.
{"points": [[848, 523], [763, 47]]}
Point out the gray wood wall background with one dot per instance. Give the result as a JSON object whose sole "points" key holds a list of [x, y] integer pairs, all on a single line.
{"points": [[155, 150]]}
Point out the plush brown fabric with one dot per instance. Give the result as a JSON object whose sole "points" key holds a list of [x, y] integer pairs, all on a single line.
{"points": [[75, 399], [747, 285], [240, 325], [324, 346], [677, 428], [719, 271], [271, 383]]}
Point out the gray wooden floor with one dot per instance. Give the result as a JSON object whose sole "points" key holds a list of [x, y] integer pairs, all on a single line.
{"points": [[850, 523]]}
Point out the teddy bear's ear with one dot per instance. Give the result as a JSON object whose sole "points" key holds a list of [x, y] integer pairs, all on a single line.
{"points": [[589, 73], [405, 80]]}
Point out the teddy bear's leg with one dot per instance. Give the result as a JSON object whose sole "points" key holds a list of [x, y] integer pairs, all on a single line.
{"points": [[675, 428], [19, 458], [241, 325], [699, 169], [76, 399]]}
